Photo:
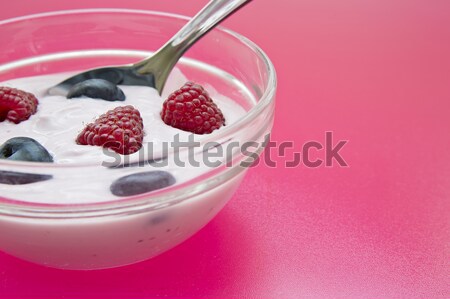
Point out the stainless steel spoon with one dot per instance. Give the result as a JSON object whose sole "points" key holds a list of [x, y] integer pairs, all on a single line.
{"points": [[153, 71]]}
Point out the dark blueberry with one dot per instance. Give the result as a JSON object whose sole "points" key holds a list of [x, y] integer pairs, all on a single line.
{"points": [[21, 178], [97, 89], [24, 149], [142, 182]]}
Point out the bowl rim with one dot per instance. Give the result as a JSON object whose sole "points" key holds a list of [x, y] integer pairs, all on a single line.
{"points": [[146, 201]]}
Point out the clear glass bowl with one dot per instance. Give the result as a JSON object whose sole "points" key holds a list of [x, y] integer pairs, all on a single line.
{"points": [[120, 232]]}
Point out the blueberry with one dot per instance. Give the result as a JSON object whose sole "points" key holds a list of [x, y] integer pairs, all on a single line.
{"points": [[24, 149], [21, 178], [142, 182], [97, 89]]}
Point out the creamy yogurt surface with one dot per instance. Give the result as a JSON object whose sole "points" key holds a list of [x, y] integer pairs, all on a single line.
{"points": [[59, 120]]}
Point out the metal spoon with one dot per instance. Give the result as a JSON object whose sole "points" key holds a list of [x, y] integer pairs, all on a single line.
{"points": [[153, 71]]}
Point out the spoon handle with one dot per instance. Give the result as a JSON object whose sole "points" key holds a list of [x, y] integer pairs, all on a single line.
{"points": [[162, 62], [209, 17]]}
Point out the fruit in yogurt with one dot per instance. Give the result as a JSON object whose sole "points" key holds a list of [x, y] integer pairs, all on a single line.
{"points": [[24, 149], [120, 129], [16, 105], [58, 122], [191, 109], [142, 182], [97, 89]]}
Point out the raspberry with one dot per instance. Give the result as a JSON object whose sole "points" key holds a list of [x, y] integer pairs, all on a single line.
{"points": [[120, 129], [191, 109], [16, 105]]}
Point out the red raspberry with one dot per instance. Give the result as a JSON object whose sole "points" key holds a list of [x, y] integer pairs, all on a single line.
{"points": [[120, 129], [191, 109], [16, 105]]}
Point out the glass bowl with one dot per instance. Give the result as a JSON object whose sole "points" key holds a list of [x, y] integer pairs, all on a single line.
{"points": [[123, 231]]}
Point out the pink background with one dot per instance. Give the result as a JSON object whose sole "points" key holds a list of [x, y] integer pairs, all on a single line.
{"points": [[376, 73]]}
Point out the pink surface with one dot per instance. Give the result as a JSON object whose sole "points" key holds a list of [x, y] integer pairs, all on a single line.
{"points": [[375, 73]]}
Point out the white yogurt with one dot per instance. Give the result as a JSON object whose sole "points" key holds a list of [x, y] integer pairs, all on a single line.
{"points": [[58, 122]]}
